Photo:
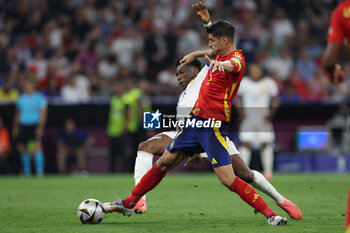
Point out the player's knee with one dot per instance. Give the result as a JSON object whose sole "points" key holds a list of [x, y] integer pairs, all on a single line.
{"points": [[145, 146], [226, 181]]}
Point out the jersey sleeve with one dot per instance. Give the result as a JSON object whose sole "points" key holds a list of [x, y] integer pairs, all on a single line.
{"points": [[335, 31], [237, 63]]}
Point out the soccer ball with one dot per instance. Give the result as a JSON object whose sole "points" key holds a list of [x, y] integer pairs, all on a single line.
{"points": [[90, 211]]}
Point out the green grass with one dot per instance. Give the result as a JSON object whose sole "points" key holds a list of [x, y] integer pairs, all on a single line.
{"points": [[181, 203]]}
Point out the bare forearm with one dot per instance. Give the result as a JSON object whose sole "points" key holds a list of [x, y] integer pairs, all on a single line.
{"points": [[43, 118], [274, 106]]}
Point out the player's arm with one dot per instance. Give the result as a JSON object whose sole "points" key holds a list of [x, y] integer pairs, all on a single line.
{"points": [[234, 65], [330, 58], [200, 53], [335, 40], [42, 122], [203, 13], [275, 103], [239, 106]]}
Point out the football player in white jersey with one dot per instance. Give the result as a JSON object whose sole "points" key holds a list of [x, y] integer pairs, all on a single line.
{"points": [[257, 103], [190, 80]]}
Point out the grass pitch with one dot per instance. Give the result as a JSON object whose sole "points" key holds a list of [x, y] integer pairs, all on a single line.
{"points": [[181, 203]]}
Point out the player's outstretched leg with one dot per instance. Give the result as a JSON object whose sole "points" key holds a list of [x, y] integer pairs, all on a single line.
{"points": [[248, 194], [144, 160], [258, 181], [149, 181]]}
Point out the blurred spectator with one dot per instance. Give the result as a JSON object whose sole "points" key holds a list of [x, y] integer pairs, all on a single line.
{"points": [[72, 141], [5, 146], [28, 126], [299, 85], [76, 89], [146, 36], [38, 64], [257, 102], [339, 129], [283, 29], [249, 43], [289, 95], [53, 75], [159, 48], [305, 65], [88, 57], [126, 47], [282, 65], [134, 128], [7, 93], [108, 67], [116, 127]]}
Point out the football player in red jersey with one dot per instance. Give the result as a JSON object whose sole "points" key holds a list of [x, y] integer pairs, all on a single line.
{"points": [[207, 127], [339, 29]]}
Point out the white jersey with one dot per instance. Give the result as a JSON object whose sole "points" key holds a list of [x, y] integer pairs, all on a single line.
{"points": [[256, 95], [256, 98], [189, 96]]}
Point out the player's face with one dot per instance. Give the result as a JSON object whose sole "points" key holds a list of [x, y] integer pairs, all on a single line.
{"points": [[28, 86], [184, 75], [216, 44], [255, 72]]}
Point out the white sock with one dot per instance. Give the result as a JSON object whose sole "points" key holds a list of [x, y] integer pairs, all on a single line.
{"points": [[267, 159], [262, 184], [245, 154], [143, 163]]}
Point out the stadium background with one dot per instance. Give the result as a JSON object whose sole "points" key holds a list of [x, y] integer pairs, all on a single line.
{"points": [[96, 42]]}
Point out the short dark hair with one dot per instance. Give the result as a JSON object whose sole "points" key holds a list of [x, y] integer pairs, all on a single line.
{"points": [[222, 28], [196, 63]]}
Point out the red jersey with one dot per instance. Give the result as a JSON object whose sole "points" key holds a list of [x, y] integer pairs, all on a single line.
{"points": [[339, 27], [219, 88]]}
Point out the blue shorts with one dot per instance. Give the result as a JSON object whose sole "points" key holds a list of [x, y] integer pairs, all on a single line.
{"points": [[192, 140]]}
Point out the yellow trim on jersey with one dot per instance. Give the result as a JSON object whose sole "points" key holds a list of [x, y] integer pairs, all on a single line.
{"points": [[233, 88], [226, 108], [173, 141], [221, 138], [235, 59], [181, 130]]}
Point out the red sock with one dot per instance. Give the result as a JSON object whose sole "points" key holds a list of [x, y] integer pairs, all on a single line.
{"points": [[150, 180], [250, 196]]}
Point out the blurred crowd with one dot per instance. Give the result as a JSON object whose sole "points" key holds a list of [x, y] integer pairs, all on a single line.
{"points": [[75, 49]]}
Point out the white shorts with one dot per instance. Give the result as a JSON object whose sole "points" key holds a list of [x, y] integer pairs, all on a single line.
{"points": [[256, 132], [230, 145]]}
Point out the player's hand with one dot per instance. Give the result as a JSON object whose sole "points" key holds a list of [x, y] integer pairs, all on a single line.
{"points": [[187, 59], [339, 75], [194, 161], [202, 12], [39, 131], [214, 64]]}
